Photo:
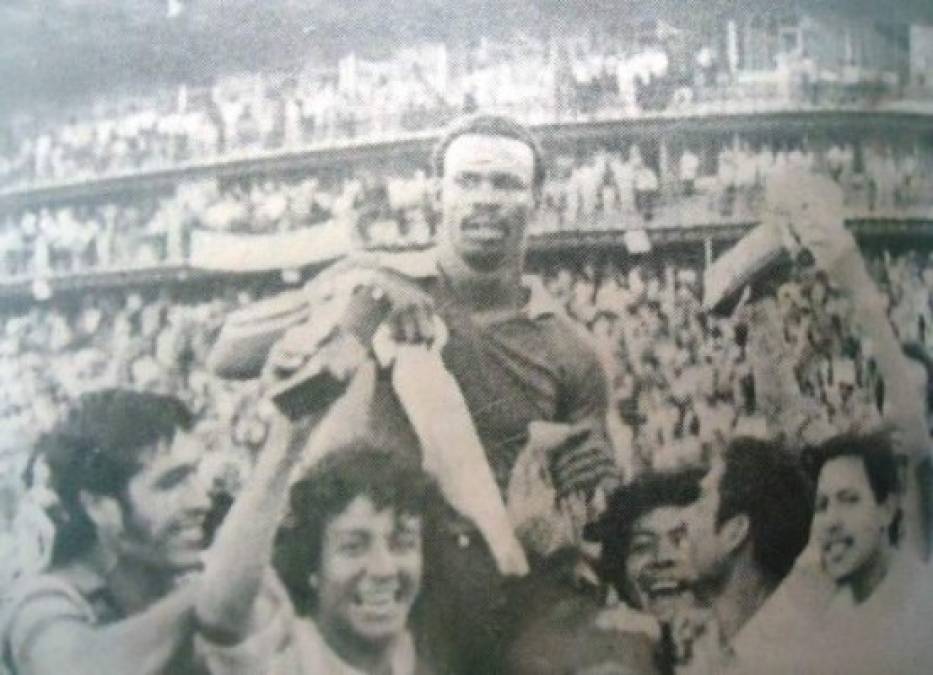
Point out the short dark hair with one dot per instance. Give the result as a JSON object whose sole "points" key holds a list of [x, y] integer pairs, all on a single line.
{"points": [[97, 448], [878, 457], [489, 125], [630, 502], [768, 484], [388, 479]]}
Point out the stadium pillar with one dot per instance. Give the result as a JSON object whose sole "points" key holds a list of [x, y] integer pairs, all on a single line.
{"points": [[708, 252], [663, 168]]}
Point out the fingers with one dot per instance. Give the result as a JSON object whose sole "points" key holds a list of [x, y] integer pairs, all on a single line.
{"points": [[579, 466], [412, 324], [581, 474]]}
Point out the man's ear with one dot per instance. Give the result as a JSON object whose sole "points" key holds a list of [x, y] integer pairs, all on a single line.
{"points": [[889, 510], [104, 511], [735, 531]]}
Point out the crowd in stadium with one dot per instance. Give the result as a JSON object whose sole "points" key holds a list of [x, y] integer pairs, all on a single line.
{"points": [[679, 379], [463, 440], [417, 89], [601, 191], [688, 390]]}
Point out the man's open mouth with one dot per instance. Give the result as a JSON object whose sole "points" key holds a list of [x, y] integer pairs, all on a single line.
{"points": [[190, 531], [485, 231], [836, 547], [382, 603], [663, 588]]}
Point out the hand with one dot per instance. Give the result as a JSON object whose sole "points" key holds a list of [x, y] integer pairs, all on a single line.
{"points": [[575, 457], [807, 210], [289, 435], [410, 310]]}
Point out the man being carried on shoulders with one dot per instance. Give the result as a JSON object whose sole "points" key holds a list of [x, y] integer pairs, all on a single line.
{"points": [[512, 354]]}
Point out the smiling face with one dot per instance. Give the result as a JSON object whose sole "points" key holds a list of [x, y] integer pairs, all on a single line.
{"points": [[657, 561], [369, 574], [487, 197], [165, 506], [850, 525]]}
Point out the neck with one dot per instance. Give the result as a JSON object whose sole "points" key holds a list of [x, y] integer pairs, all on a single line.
{"points": [[867, 578], [365, 656], [136, 585], [483, 291], [741, 594]]}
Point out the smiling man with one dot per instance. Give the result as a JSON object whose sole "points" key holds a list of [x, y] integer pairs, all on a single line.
{"points": [[515, 358], [645, 541], [350, 556], [645, 557], [125, 470], [879, 616]]}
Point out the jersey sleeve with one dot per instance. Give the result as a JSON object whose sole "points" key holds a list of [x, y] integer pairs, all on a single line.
{"points": [[32, 609]]}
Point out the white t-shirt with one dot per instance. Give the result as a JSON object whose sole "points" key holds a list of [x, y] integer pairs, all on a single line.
{"points": [[292, 645], [889, 632]]}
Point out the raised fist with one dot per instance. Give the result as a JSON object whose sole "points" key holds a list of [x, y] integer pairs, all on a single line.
{"points": [[808, 213]]}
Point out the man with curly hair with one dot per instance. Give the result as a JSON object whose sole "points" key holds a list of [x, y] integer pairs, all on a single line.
{"points": [[117, 595]]}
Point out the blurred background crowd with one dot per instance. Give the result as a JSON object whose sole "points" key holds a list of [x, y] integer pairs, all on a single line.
{"points": [[751, 63]]}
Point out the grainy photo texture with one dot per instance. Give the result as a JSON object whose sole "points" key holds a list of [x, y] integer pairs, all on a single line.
{"points": [[474, 338]]}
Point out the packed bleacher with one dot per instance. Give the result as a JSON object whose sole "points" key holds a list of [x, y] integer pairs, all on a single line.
{"points": [[679, 377], [275, 396], [418, 89], [603, 190]]}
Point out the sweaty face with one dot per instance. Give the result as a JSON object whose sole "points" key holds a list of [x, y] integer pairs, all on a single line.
{"points": [[370, 573], [658, 561], [166, 504], [849, 524], [487, 196]]}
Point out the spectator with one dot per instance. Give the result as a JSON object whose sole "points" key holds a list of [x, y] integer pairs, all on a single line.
{"points": [[125, 474], [351, 560]]}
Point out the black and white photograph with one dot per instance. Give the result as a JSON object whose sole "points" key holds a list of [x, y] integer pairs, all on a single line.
{"points": [[577, 337]]}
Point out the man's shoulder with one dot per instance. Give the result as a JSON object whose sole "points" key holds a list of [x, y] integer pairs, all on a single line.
{"points": [[419, 266], [35, 603], [68, 587], [569, 337]]}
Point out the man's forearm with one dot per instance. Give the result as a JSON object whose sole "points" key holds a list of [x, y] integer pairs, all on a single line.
{"points": [[903, 407], [242, 550]]}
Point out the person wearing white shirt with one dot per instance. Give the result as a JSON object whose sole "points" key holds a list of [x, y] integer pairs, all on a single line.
{"points": [[350, 556], [689, 166], [879, 617]]}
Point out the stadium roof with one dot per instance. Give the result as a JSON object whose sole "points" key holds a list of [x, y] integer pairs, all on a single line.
{"points": [[57, 50]]}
